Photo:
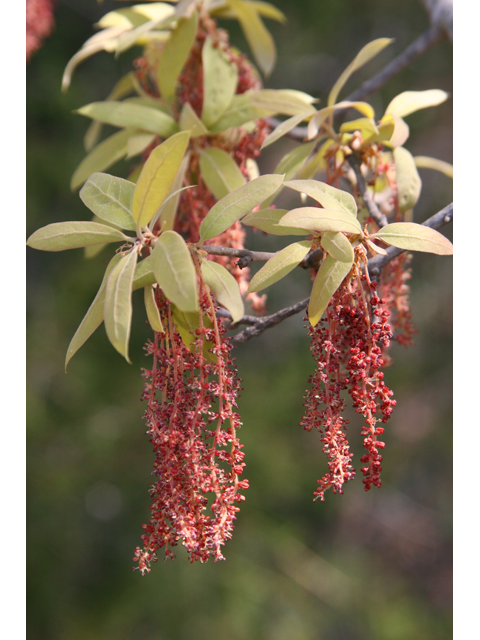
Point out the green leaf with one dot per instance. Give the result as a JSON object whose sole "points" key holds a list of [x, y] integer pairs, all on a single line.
{"points": [[137, 35], [175, 54], [328, 196], [338, 246], [290, 164], [168, 210], [258, 37], [157, 177], [410, 101], [316, 163], [238, 113], [138, 142], [409, 183], [321, 116], [285, 127], [284, 101], [277, 267], [220, 172], [129, 114], [151, 308], [415, 237], [365, 54], [400, 132], [267, 220], [110, 198], [186, 325], [118, 303], [329, 277], [174, 271], [94, 316], [101, 157], [424, 162], [224, 287], [189, 121], [265, 9], [220, 79], [60, 236], [319, 220], [237, 204], [143, 275], [365, 125]]}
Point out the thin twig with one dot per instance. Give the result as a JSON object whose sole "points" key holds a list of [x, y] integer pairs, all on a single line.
{"points": [[269, 321], [373, 210], [245, 256]]}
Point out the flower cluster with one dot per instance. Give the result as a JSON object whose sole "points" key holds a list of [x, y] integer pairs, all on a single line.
{"points": [[192, 422], [40, 21]]}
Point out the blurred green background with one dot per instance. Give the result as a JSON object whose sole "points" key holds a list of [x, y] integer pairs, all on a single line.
{"points": [[360, 566]]}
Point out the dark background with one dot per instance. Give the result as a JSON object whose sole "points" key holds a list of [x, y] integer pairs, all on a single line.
{"points": [[374, 565]]}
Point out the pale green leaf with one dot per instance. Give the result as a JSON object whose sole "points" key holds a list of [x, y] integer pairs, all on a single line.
{"points": [[219, 8], [224, 287], [319, 220], [410, 101], [175, 54], [329, 277], [220, 79], [277, 267], [326, 195], [189, 121], [239, 112], [424, 162], [101, 157], [285, 127], [291, 163], [415, 237], [283, 101], [94, 316], [129, 114], [151, 308], [257, 35], [322, 115], [136, 36], [385, 131], [173, 196], [186, 325], [365, 54], [168, 210], [400, 132], [174, 271], [157, 177], [338, 246], [267, 220], [237, 204], [316, 163], [118, 303], [143, 275], [60, 236], [409, 184], [220, 172], [138, 143], [110, 198], [365, 125]]}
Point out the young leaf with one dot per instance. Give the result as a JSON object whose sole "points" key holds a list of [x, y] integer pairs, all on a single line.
{"points": [[189, 121], [258, 37], [174, 271], [415, 237], [220, 172], [151, 308], [319, 220], [224, 287], [237, 204], [409, 183], [118, 303], [101, 157], [267, 220], [157, 177], [94, 316], [284, 101], [220, 78], [424, 162], [277, 267], [410, 101], [400, 130], [238, 113], [60, 236], [365, 54], [338, 246], [186, 325], [329, 277], [110, 198], [365, 125], [329, 197], [175, 54], [129, 114], [320, 116]]}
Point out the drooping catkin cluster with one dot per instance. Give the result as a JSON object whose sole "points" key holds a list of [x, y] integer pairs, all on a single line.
{"points": [[348, 345], [192, 421]]}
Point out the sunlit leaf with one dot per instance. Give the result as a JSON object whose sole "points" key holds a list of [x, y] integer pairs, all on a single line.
{"points": [[220, 9], [118, 303], [257, 35], [360, 124], [409, 183], [400, 132], [101, 157], [319, 220], [424, 162], [224, 287], [220, 78], [94, 316], [326, 195], [237, 204], [189, 121], [135, 36], [110, 198], [138, 143], [365, 54], [157, 177], [316, 163], [151, 308], [168, 210], [60, 236], [385, 130], [267, 220], [283, 101], [174, 271], [410, 101], [321, 116], [175, 54], [220, 172], [277, 267], [415, 237], [285, 127], [329, 277], [239, 112], [338, 246]]}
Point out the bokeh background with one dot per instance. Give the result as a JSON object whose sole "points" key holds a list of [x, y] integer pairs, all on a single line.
{"points": [[360, 566]]}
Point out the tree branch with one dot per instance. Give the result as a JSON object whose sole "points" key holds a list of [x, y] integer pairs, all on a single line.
{"points": [[245, 256], [269, 321], [373, 210]]}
